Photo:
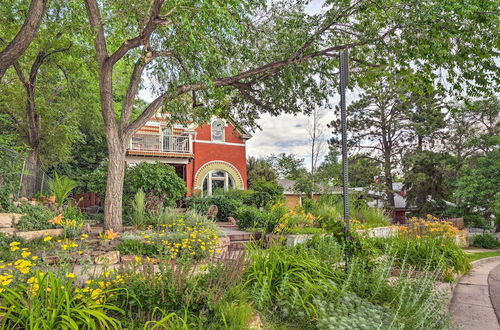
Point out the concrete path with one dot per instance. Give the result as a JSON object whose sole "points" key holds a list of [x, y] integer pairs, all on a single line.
{"points": [[494, 285], [471, 307]]}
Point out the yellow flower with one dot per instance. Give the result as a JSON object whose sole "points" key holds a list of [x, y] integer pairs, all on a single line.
{"points": [[14, 244], [70, 275], [25, 254], [34, 257], [47, 238]]}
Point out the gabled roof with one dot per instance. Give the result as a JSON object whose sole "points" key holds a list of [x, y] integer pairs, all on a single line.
{"points": [[245, 134], [240, 129]]}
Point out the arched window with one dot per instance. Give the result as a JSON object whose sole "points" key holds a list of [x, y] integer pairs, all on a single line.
{"points": [[218, 130], [217, 180]]}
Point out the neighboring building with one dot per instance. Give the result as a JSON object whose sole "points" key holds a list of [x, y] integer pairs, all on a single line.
{"points": [[294, 198], [400, 205], [208, 157]]}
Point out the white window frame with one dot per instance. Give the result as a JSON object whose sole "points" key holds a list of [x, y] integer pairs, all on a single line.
{"points": [[208, 177], [223, 130]]}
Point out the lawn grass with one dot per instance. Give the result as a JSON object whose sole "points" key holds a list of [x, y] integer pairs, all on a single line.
{"points": [[482, 255]]}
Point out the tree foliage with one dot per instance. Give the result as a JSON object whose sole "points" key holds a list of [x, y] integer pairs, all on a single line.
{"points": [[259, 169], [158, 179], [287, 166], [478, 189]]}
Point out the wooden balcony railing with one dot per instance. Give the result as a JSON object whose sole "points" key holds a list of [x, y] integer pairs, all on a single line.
{"points": [[179, 144]]}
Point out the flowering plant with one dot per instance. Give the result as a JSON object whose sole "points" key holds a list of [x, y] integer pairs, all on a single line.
{"points": [[109, 235], [294, 219], [429, 226], [71, 227]]}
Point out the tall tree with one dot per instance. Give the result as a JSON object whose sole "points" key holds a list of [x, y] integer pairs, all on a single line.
{"points": [[228, 57], [330, 170], [259, 169], [26, 33], [427, 179], [363, 171], [378, 123], [317, 133], [287, 166], [478, 189], [47, 90]]}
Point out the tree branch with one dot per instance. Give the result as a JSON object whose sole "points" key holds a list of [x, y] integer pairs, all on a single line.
{"points": [[230, 81], [143, 38], [96, 24], [133, 86], [311, 40], [25, 35]]}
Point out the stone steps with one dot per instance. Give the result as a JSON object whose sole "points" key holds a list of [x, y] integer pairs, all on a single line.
{"points": [[238, 245]]}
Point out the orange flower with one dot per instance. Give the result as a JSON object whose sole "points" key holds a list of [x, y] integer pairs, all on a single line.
{"points": [[110, 234], [57, 220]]}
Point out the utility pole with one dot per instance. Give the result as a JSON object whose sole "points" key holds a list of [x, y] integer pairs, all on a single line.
{"points": [[344, 76]]}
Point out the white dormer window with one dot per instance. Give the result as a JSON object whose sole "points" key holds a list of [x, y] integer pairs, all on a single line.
{"points": [[218, 130]]}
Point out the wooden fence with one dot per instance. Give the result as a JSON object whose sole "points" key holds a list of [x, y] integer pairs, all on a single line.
{"points": [[87, 199]]}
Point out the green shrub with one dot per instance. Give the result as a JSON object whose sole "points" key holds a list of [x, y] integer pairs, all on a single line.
{"points": [[73, 212], [227, 206], [426, 253], [5, 201], [244, 196], [164, 215], [139, 209], [158, 179], [250, 217], [265, 193], [329, 216], [195, 219], [36, 217], [286, 281], [486, 241], [371, 217], [96, 181], [412, 302], [274, 215], [60, 187]]}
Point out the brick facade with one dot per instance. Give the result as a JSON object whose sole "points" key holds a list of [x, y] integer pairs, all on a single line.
{"points": [[204, 154]]}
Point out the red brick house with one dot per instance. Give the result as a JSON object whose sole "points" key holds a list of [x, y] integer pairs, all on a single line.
{"points": [[209, 156]]}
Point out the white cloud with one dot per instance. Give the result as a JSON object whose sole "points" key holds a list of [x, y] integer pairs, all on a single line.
{"points": [[286, 133]]}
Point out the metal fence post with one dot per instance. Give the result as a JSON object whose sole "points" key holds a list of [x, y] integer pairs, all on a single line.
{"points": [[344, 76], [21, 179], [41, 185]]}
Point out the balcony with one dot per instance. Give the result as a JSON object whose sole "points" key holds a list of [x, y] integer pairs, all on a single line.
{"points": [[161, 145]]}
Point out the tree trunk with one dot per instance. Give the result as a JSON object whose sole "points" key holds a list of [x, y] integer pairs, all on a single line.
{"points": [[114, 185], [33, 120], [24, 37], [29, 182], [388, 184]]}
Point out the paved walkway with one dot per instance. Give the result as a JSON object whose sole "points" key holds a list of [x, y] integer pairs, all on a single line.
{"points": [[471, 306]]}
